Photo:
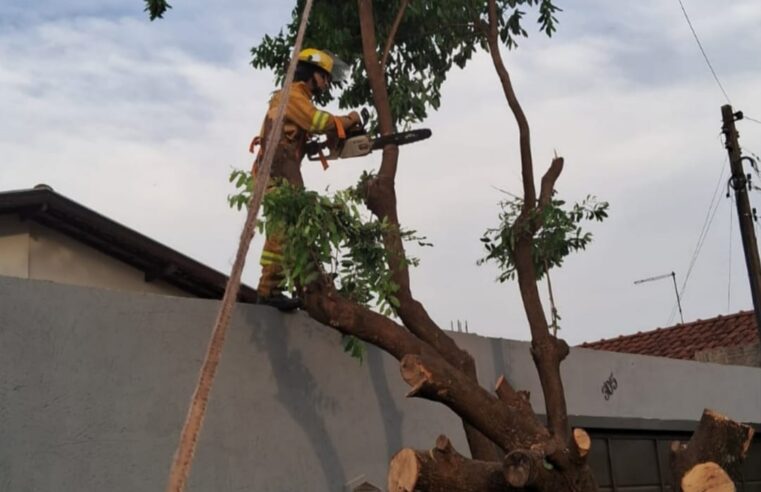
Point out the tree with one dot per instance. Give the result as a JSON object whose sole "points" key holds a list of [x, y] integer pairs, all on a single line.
{"points": [[342, 262], [402, 75]]}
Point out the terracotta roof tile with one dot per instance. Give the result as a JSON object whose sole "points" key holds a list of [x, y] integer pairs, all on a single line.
{"points": [[682, 341]]}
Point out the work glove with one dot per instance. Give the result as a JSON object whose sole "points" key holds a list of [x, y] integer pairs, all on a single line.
{"points": [[354, 118]]}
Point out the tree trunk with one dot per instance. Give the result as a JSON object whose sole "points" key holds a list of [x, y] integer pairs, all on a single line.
{"points": [[381, 200]]}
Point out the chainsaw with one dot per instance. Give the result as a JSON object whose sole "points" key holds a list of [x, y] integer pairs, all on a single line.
{"points": [[359, 143]]}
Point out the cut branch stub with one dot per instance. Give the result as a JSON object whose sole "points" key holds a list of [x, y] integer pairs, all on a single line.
{"points": [[506, 393], [548, 181], [518, 468], [443, 469], [582, 442], [707, 477], [416, 375]]}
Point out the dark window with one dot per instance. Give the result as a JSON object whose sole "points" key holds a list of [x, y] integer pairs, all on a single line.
{"points": [[635, 462], [751, 467], [639, 461], [600, 461]]}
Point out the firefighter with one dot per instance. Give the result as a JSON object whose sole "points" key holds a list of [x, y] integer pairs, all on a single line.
{"points": [[315, 71]]}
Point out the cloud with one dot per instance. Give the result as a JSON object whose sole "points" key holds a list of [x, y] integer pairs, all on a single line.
{"points": [[143, 121]]}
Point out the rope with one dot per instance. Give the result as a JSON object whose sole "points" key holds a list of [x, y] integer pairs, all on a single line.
{"points": [[183, 457]]}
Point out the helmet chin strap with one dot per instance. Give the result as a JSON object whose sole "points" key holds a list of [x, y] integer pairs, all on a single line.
{"points": [[315, 85]]}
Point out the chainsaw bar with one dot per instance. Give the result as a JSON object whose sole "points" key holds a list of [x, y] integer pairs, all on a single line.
{"points": [[401, 138]]}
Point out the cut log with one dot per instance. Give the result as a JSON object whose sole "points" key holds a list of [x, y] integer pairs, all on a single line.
{"points": [[443, 469], [717, 440], [707, 477]]}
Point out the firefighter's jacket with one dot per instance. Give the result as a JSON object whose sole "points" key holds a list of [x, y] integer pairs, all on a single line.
{"points": [[302, 118]]}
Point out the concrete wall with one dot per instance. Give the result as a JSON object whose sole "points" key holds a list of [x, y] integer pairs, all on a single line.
{"points": [[94, 386], [14, 247], [30, 250], [742, 355]]}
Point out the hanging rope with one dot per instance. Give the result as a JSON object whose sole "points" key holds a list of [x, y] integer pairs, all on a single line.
{"points": [[183, 457]]}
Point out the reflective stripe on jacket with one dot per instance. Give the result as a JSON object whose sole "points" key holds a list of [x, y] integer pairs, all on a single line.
{"points": [[301, 119]]}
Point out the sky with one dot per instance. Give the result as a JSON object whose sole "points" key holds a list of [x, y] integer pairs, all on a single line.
{"points": [[143, 122]]}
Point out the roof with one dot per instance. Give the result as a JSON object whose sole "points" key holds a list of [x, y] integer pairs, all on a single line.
{"points": [[46, 207], [683, 340]]}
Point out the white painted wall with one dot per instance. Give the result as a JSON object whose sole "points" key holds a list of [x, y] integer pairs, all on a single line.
{"points": [[94, 388], [14, 247], [30, 250]]}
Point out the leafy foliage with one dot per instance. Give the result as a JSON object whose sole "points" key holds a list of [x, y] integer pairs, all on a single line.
{"points": [[329, 235], [354, 347], [433, 36], [560, 234], [156, 8]]}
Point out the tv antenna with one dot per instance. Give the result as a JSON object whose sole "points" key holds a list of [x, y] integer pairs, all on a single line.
{"points": [[676, 291]]}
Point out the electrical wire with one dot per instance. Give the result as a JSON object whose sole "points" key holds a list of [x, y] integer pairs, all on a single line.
{"points": [[710, 214], [754, 120], [705, 56], [729, 263]]}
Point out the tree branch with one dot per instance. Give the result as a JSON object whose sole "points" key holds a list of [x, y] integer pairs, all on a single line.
{"points": [[507, 87], [392, 34], [326, 305], [376, 80], [380, 196], [510, 426], [547, 351]]}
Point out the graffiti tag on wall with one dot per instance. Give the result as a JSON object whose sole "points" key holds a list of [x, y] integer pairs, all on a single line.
{"points": [[609, 387]]}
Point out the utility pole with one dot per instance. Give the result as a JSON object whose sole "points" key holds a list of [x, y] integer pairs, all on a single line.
{"points": [[739, 183]]}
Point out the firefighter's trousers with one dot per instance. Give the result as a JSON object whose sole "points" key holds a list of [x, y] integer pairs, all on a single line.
{"points": [[270, 281]]}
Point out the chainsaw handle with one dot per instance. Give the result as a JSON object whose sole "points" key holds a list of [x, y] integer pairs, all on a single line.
{"points": [[312, 149], [364, 117]]}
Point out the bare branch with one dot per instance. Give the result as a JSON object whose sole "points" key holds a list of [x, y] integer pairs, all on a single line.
{"points": [[527, 169], [547, 351], [392, 34], [376, 80]]}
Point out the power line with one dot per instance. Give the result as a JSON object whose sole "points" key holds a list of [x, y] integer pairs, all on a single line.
{"points": [[754, 120], [729, 263], [700, 45], [710, 214]]}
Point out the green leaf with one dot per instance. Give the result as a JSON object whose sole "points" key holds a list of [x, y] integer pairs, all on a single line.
{"points": [[560, 234], [156, 8], [433, 36]]}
